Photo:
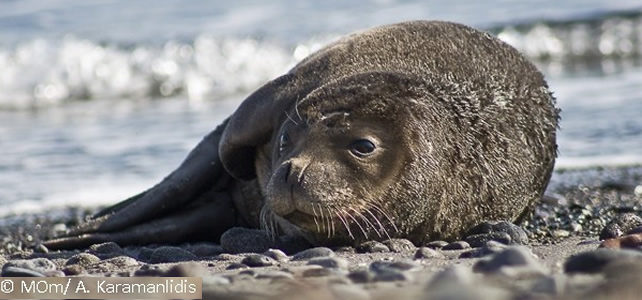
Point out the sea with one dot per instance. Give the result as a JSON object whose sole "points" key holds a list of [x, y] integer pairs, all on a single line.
{"points": [[101, 99]]}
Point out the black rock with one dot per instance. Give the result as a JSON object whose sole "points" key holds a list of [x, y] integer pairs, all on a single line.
{"points": [[258, 260], [479, 240], [312, 253], [436, 244], [372, 247], [145, 254], [594, 261], [168, 254], [459, 245], [425, 252], [517, 234], [206, 249], [399, 245], [621, 224], [243, 240]]}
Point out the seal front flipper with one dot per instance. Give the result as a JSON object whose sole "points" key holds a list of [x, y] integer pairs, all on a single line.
{"points": [[206, 219], [201, 172]]}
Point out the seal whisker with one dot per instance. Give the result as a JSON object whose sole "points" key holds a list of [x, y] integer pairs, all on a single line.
{"points": [[381, 211], [381, 227], [366, 221], [322, 217], [314, 217], [345, 223], [290, 118], [358, 224]]}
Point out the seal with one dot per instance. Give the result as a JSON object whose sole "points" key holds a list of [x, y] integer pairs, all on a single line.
{"points": [[418, 130]]}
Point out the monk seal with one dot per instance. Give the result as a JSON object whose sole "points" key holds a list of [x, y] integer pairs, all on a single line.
{"points": [[418, 130]]}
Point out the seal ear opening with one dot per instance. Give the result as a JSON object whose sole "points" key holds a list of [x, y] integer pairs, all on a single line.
{"points": [[251, 126]]}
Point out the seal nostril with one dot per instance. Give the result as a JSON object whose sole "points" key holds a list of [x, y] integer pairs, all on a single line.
{"points": [[288, 168]]}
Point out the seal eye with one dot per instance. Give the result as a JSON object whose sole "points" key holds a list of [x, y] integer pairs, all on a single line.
{"points": [[362, 148], [283, 142]]}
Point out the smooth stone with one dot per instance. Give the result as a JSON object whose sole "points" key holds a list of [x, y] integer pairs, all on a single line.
{"points": [[372, 247], [391, 275], [40, 248], [151, 270], [71, 270], [276, 254], [206, 249], [258, 260], [479, 240], [227, 257], [276, 275], [361, 276], [291, 244], [329, 262], [145, 254], [83, 259], [620, 225], [594, 261], [425, 252], [635, 230], [170, 254], [511, 257], [400, 265], [248, 272], [318, 272], [105, 248], [40, 265], [436, 244], [399, 245], [235, 265], [12, 271], [312, 253], [459, 245], [215, 280], [188, 269], [491, 247], [122, 261], [345, 249], [244, 240], [453, 274], [516, 233], [633, 241]]}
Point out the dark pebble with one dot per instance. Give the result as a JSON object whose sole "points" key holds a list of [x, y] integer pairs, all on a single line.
{"points": [[83, 259], [121, 261], [151, 270], [399, 245], [425, 252], [206, 249], [401, 265], [391, 275], [235, 265], [291, 244], [361, 276], [189, 269], [453, 275], [312, 253], [105, 248], [626, 241], [40, 248], [40, 265], [169, 254], [243, 240], [275, 275], [621, 224], [329, 262], [318, 272], [510, 257], [459, 245], [71, 270], [345, 249], [517, 234], [479, 240], [276, 254], [12, 271], [491, 247], [436, 244], [248, 272], [145, 254], [594, 261], [258, 260], [372, 247]]}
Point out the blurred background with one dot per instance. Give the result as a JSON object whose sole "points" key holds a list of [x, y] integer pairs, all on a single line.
{"points": [[100, 99]]}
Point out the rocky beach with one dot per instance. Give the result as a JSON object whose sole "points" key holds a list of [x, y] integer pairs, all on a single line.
{"points": [[584, 241]]}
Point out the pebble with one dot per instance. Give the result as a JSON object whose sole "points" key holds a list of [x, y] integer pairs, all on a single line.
{"points": [[318, 272], [12, 271], [312, 253], [459, 245], [620, 225], [215, 280], [169, 254], [399, 245], [105, 248], [516, 233], [244, 240], [627, 241], [329, 262], [349, 291], [188, 269], [479, 240], [206, 249], [552, 285], [391, 275], [151, 270], [291, 244], [400, 265], [235, 265], [491, 247], [594, 261], [121, 261], [276, 254], [274, 275], [71, 270], [361, 276], [258, 260], [39, 265], [145, 254], [510, 257], [425, 252], [453, 274], [83, 259], [372, 247], [436, 244], [40, 248], [345, 249]]}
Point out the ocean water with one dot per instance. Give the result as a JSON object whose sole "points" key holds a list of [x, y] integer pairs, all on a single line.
{"points": [[101, 99]]}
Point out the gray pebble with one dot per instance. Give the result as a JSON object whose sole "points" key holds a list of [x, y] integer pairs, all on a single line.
{"points": [[276, 254], [235, 265], [105, 248], [122, 261], [491, 247], [227, 257], [151, 270], [248, 272], [479, 240], [458, 245], [372, 247], [258, 260], [145, 254], [312, 253], [594, 261], [621, 224], [274, 275], [453, 274], [391, 275], [244, 240], [400, 265], [40, 248], [71, 270], [168, 254], [12, 271], [399, 245], [329, 262], [214, 281], [517, 234], [425, 252], [83, 259], [345, 249], [436, 244], [511, 257], [206, 249], [317, 272], [361, 276], [40, 265]]}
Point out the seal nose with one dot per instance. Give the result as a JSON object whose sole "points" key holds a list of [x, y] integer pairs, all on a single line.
{"points": [[288, 169], [293, 170]]}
